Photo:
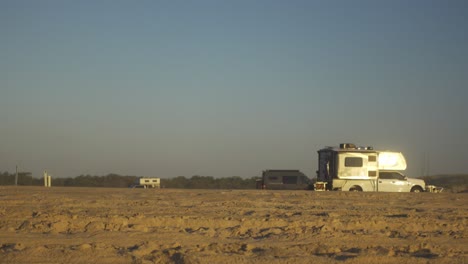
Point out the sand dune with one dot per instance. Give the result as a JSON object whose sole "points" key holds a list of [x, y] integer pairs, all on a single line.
{"points": [[99, 225]]}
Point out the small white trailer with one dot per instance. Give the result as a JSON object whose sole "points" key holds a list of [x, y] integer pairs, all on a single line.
{"points": [[146, 182], [351, 168]]}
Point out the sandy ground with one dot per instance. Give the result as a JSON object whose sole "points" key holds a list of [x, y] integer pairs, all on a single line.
{"points": [[98, 225]]}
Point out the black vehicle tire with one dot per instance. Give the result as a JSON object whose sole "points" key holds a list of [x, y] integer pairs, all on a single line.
{"points": [[416, 189], [355, 189]]}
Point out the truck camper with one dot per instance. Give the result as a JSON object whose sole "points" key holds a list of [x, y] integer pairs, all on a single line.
{"points": [[352, 168]]}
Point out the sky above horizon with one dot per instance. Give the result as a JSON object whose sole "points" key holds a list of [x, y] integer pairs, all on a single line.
{"points": [[229, 88]]}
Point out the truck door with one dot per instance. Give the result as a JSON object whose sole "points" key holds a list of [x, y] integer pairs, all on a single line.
{"points": [[392, 181]]}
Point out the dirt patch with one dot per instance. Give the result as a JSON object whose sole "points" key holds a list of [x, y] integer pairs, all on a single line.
{"points": [[99, 225]]}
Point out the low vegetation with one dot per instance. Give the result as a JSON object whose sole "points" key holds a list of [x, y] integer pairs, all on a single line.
{"points": [[119, 181], [450, 183]]}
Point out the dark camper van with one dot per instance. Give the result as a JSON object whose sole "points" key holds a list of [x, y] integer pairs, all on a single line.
{"points": [[284, 180]]}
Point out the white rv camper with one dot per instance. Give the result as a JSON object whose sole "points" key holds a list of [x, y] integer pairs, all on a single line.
{"points": [[351, 168], [145, 182]]}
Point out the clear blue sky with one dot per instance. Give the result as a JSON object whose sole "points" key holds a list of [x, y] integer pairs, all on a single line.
{"points": [[229, 88]]}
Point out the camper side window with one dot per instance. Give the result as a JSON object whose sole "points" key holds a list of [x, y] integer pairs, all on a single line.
{"points": [[289, 179], [353, 162]]}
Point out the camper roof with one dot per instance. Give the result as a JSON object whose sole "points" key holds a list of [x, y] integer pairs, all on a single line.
{"points": [[360, 149], [281, 170]]}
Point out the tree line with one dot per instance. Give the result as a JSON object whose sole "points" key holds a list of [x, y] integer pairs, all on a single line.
{"points": [[452, 183], [119, 181], [208, 182]]}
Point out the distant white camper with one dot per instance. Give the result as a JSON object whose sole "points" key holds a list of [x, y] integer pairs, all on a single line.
{"points": [[145, 182], [351, 168]]}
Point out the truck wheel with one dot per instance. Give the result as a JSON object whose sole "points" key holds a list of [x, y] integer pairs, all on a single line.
{"points": [[355, 189], [416, 189]]}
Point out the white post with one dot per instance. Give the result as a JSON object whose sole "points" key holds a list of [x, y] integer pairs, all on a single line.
{"points": [[45, 178], [49, 180]]}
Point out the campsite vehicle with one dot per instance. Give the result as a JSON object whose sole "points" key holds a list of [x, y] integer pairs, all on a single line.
{"points": [[351, 168], [284, 180], [145, 182], [394, 181]]}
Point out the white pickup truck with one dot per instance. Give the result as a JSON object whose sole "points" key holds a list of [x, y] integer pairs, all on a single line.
{"points": [[394, 181]]}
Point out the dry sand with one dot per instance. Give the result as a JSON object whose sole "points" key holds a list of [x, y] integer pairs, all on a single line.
{"points": [[99, 225]]}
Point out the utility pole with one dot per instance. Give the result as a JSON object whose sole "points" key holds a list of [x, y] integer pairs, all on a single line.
{"points": [[428, 164]]}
